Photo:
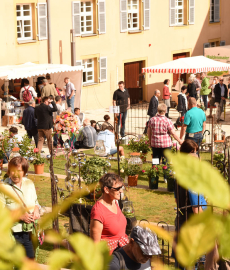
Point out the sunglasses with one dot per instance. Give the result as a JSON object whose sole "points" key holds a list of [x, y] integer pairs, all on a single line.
{"points": [[116, 189], [221, 80]]}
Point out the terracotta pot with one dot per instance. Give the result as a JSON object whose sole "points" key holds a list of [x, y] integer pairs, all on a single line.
{"points": [[39, 169], [132, 180], [1, 164]]}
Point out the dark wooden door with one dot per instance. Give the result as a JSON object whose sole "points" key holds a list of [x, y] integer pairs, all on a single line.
{"points": [[133, 81], [176, 76]]}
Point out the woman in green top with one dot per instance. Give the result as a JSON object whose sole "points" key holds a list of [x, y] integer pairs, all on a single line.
{"points": [[24, 190]]}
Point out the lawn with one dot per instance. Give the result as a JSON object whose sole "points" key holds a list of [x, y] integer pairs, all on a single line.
{"points": [[152, 205]]}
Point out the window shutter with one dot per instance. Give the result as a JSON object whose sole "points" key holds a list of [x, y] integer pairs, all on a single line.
{"points": [[146, 14], [78, 63], [216, 10], [172, 15], [76, 13], [206, 45], [123, 15], [101, 17], [191, 11], [103, 69], [42, 21], [222, 43]]}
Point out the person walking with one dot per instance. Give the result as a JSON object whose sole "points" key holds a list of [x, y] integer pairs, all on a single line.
{"points": [[43, 113], [70, 93], [212, 100], [48, 89], [166, 96], [121, 98], [27, 92], [191, 89], [182, 106], [30, 122], [221, 94], [194, 123], [153, 104], [204, 92]]}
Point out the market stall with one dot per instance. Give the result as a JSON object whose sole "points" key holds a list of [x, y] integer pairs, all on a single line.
{"points": [[11, 78]]}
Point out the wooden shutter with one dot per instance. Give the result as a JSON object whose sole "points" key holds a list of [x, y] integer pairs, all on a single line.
{"points": [[123, 15], [103, 69], [101, 17], [222, 43], [172, 13], [216, 10], [191, 11], [206, 45], [146, 14], [76, 13], [42, 21]]}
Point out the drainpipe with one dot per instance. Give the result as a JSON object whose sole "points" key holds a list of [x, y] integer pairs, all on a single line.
{"points": [[49, 32], [73, 48]]}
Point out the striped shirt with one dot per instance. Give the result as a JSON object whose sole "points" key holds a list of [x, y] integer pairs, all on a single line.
{"points": [[88, 136]]}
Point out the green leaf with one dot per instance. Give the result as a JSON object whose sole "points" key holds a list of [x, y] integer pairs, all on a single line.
{"points": [[59, 258], [103, 247], [197, 237], [160, 232], [53, 237], [199, 176], [224, 239], [87, 251]]}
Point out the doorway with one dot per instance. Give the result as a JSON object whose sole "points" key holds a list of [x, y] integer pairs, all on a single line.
{"points": [[176, 76], [134, 80]]}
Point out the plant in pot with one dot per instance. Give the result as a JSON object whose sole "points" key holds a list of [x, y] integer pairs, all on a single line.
{"points": [[140, 146], [170, 176], [153, 175], [26, 149], [132, 171], [38, 162]]}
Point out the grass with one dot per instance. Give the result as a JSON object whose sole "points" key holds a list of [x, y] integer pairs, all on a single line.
{"points": [[152, 205]]}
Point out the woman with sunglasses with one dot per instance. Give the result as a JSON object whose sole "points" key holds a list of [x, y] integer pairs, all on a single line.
{"points": [[107, 221]]}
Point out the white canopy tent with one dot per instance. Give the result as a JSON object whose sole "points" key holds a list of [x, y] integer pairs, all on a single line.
{"points": [[57, 74], [194, 64]]}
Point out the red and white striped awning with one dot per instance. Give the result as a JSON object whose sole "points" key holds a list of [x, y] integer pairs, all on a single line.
{"points": [[194, 64]]}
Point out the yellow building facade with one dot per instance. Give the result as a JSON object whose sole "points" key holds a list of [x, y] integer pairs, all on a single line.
{"points": [[113, 39]]}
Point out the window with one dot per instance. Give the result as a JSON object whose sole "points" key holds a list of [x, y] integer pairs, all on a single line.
{"points": [[214, 10], [133, 12], [86, 17], [179, 12], [130, 16], [24, 22], [88, 72]]}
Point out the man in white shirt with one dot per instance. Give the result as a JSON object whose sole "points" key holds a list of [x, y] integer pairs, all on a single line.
{"points": [[109, 141], [29, 88], [70, 93]]}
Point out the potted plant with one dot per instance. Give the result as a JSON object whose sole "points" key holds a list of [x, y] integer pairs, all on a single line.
{"points": [[140, 146], [153, 175], [38, 162], [132, 171]]}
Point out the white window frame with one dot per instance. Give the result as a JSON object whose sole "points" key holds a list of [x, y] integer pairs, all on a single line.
{"points": [[21, 20], [177, 7], [87, 70], [84, 14], [130, 15]]}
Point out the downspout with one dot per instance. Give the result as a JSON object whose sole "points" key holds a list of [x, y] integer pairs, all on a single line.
{"points": [[49, 32]]}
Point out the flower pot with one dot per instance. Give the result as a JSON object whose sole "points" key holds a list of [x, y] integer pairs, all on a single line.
{"points": [[170, 184], [153, 182], [1, 164], [143, 157], [39, 169], [132, 180]]}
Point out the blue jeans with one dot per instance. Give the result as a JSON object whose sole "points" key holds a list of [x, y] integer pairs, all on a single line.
{"points": [[70, 103], [121, 118], [205, 99], [24, 239], [197, 138]]}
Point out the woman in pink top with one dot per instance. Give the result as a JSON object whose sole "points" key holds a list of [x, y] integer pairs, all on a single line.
{"points": [[166, 96], [107, 221]]}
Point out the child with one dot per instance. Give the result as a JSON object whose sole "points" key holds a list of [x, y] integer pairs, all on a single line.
{"points": [[106, 123]]}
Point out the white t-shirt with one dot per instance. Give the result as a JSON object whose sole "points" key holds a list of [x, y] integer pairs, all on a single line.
{"points": [[31, 90]]}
